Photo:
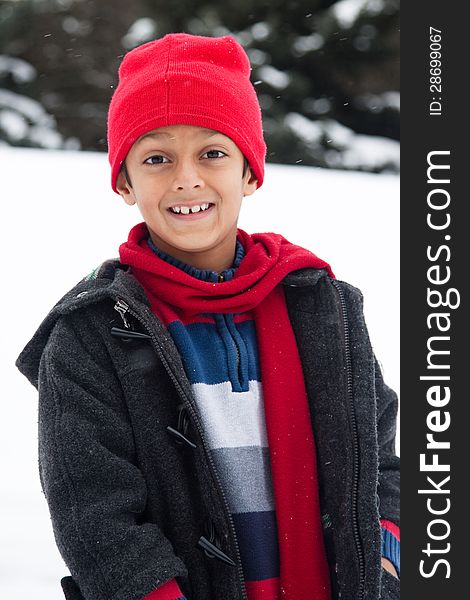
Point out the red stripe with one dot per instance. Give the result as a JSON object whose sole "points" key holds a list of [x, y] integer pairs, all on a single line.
{"points": [[268, 589], [389, 526], [168, 591]]}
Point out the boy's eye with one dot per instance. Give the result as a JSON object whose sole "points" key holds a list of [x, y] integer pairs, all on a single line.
{"points": [[158, 162], [212, 151]]}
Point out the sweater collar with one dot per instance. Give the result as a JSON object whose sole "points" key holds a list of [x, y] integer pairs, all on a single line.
{"points": [[202, 274]]}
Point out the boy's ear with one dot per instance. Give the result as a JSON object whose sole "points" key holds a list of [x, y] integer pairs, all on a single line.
{"points": [[250, 183], [124, 189]]}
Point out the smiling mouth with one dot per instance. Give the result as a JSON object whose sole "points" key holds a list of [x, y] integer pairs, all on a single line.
{"points": [[189, 213]]}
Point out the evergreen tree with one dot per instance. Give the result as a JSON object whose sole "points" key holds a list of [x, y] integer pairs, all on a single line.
{"points": [[326, 73], [23, 119]]}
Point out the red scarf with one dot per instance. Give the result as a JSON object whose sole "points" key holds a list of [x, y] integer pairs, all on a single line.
{"points": [[268, 258]]}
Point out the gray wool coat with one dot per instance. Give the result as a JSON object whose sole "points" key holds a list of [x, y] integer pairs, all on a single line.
{"points": [[134, 497]]}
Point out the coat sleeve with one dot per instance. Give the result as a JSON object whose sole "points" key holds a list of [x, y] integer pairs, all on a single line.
{"points": [[389, 462], [389, 469], [95, 492]]}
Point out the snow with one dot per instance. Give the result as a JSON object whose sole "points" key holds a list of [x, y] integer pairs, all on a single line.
{"points": [[74, 27], [307, 43], [23, 118], [62, 219], [29, 107], [261, 30], [21, 71], [347, 11], [13, 125], [379, 102], [141, 31], [274, 77], [355, 150], [257, 57], [319, 106], [373, 151]]}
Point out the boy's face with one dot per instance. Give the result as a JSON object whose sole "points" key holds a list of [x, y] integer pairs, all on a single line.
{"points": [[184, 166]]}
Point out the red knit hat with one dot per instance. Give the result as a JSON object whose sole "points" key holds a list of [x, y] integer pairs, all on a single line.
{"points": [[184, 79]]}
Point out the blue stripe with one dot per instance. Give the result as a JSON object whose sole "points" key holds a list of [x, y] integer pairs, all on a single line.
{"points": [[208, 349], [257, 537], [391, 548], [237, 354]]}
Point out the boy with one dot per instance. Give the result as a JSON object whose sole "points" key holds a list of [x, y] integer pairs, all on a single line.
{"points": [[212, 421]]}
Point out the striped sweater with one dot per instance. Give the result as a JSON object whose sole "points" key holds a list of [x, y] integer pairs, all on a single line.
{"points": [[220, 357]]}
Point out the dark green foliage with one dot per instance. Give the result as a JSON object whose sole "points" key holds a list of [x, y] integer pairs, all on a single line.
{"points": [[306, 61]]}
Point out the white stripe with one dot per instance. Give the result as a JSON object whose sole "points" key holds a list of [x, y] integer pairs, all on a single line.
{"points": [[232, 419]]}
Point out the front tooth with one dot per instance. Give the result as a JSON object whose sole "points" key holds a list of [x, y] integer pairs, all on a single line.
{"points": [[195, 208], [185, 210]]}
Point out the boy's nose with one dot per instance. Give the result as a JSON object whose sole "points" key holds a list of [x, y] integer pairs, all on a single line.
{"points": [[187, 176]]}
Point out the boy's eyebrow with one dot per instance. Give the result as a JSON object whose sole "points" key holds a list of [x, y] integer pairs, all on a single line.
{"points": [[207, 133]]}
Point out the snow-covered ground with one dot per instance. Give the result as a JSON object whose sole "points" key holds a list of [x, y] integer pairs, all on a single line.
{"points": [[61, 219]]}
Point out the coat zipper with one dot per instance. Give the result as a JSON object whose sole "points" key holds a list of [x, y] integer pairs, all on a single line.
{"points": [[122, 308], [352, 416]]}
